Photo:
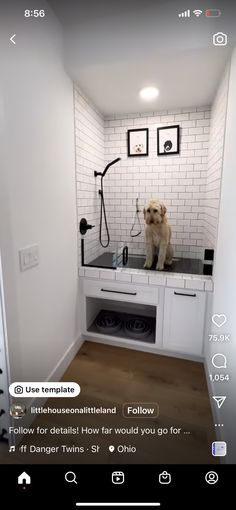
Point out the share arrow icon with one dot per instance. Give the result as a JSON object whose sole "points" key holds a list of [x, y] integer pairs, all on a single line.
{"points": [[219, 400]]}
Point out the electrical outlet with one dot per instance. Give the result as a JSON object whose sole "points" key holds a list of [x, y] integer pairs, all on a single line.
{"points": [[29, 257]]}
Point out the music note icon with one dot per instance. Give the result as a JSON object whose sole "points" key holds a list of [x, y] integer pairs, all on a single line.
{"points": [[12, 449]]}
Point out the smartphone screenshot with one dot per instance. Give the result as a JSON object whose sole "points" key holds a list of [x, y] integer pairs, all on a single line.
{"points": [[117, 253]]}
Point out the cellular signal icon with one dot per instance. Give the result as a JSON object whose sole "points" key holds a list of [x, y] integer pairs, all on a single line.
{"points": [[185, 14], [197, 12]]}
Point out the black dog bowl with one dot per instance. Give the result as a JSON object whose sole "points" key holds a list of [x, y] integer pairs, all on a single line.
{"points": [[108, 323], [137, 327]]}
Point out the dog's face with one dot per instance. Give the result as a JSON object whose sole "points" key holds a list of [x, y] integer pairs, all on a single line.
{"points": [[154, 212], [138, 148]]}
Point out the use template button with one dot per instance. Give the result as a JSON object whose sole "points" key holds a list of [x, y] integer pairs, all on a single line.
{"points": [[140, 410], [44, 389]]}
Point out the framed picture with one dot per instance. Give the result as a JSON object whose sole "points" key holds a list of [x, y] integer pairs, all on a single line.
{"points": [[168, 140], [138, 142]]}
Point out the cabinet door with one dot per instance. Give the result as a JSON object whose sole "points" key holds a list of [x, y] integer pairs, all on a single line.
{"points": [[184, 314]]}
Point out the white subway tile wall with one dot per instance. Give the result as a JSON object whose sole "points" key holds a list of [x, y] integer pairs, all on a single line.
{"points": [[215, 162], [89, 148], [178, 180], [176, 281], [188, 183]]}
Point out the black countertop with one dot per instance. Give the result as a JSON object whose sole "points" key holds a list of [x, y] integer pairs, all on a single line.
{"points": [[179, 265]]}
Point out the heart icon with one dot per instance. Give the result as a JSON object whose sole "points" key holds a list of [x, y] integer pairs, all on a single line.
{"points": [[219, 319]]}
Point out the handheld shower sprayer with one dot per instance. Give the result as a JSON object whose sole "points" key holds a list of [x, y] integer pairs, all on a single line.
{"points": [[102, 174], [103, 208]]}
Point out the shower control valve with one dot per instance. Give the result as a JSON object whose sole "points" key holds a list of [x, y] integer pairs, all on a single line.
{"points": [[84, 226]]}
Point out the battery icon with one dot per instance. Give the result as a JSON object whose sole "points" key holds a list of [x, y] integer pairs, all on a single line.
{"points": [[213, 13]]}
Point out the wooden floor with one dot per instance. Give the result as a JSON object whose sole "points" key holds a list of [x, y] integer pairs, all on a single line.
{"points": [[110, 376]]}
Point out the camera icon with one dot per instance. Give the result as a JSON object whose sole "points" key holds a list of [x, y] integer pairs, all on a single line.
{"points": [[220, 39], [18, 389]]}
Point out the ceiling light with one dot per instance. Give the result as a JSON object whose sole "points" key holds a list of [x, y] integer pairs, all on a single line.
{"points": [[149, 93]]}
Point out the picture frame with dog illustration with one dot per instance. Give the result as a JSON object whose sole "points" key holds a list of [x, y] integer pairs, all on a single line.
{"points": [[168, 140], [138, 142]]}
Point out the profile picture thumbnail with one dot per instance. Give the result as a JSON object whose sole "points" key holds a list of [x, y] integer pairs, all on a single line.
{"points": [[17, 410]]}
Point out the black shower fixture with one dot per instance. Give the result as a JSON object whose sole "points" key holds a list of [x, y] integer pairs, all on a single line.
{"points": [[103, 208], [102, 174], [84, 226]]}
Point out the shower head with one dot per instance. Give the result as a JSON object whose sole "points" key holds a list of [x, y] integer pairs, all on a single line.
{"points": [[107, 167], [110, 164]]}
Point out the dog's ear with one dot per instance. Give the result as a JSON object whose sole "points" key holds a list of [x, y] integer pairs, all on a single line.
{"points": [[163, 209], [144, 212]]}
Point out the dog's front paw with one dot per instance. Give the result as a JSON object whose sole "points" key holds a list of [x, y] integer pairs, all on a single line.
{"points": [[147, 265], [159, 267]]}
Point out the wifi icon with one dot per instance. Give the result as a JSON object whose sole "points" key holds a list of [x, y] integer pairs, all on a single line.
{"points": [[197, 12]]}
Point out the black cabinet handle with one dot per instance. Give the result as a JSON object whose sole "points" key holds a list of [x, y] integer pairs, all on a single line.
{"points": [[183, 294], [120, 292], [1, 392]]}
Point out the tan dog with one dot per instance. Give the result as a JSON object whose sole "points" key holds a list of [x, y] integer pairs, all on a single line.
{"points": [[157, 234]]}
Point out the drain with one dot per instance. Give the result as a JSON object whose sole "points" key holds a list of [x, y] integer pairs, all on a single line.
{"points": [[108, 322], [137, 327]]}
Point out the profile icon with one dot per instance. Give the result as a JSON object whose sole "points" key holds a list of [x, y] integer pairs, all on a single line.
{"points": [[17, 410]]}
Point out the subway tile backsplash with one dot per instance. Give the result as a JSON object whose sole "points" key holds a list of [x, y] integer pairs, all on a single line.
{"points": [[178, 180], [215, 162], [89, 156]]}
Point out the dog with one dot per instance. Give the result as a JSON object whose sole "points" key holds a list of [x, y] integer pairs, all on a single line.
{"points": [[138, 148], [157, 234]]}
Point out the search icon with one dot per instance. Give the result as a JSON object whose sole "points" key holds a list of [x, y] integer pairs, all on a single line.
{"points": [[70, 477]]}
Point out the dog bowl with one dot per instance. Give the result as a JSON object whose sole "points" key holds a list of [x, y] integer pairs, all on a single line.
{"points": [[108, 322], [137, 327]]}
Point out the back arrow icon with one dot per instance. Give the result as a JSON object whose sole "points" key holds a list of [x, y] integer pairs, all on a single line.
{"points": [[12, 38]]}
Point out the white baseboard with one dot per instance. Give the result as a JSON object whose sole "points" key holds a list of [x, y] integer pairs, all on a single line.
{"points": [[55, 375], [65, 360]]}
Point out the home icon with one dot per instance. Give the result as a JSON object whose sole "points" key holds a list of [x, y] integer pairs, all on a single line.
{"points": [[24, 479]]}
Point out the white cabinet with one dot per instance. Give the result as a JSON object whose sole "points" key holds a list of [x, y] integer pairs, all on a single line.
{"points": [[184, 315], [179, 315], [122, 298], [121, 291]]}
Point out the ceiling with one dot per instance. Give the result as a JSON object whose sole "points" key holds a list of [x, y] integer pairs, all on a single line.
{"points": [[113, 48]]}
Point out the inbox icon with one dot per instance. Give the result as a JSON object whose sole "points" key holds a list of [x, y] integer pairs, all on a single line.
{"points": [[164, 478]]}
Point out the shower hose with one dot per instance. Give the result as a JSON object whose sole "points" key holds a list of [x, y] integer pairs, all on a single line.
{"points": [[104, 244]]}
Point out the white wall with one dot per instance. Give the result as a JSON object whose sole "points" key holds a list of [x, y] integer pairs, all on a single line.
{"points": [[38, 196], [89, 142], [215, 161], [224, 297], [4, 365], [177, 180]]}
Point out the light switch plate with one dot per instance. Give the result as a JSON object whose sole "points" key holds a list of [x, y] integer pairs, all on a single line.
{"points": [[29, 257]]}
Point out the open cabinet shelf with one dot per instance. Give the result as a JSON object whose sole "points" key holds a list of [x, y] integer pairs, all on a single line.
{"points": [[121, 321]]}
